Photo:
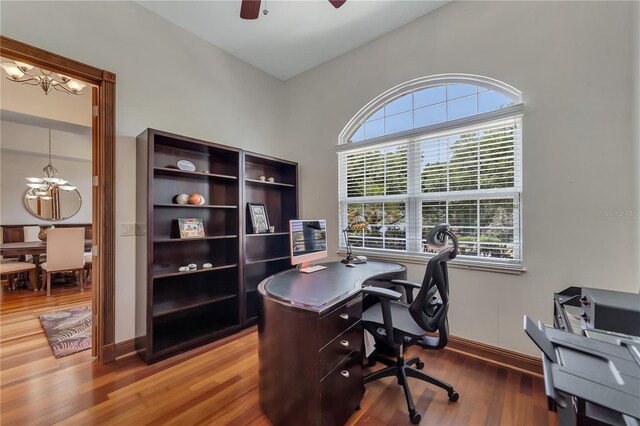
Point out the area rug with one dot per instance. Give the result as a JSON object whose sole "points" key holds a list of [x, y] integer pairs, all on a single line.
{"points": [[68, 331]]}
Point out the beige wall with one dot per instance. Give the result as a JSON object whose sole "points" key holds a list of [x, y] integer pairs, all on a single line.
{"points": [[573, 61]]}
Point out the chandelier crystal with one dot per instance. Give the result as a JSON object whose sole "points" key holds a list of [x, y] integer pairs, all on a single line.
{"points": [[19, 72], [48, 186]]}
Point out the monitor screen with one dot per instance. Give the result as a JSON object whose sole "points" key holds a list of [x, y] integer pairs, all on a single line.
{"points": [[308, 240]]}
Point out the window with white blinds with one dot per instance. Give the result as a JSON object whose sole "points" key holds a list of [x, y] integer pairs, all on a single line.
{"points": [[465, 172]]}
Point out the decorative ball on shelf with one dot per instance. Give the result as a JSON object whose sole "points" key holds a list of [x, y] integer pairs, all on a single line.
{"points": [[196, 199], [182, 199]]}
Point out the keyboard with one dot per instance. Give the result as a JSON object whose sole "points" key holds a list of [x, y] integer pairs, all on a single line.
{"points": [[311, 269]]}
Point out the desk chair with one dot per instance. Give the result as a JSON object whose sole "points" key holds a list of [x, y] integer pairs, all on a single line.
{"points": [[65, 252], [395, 325]]}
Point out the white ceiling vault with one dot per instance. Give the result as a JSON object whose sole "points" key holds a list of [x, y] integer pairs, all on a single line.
{"points": [[296, 35]]}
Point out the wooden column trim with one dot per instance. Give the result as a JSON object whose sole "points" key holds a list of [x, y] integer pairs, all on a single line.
{"points": [[106, 182]]}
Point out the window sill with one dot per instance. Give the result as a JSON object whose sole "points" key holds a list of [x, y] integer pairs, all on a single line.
{"points": [[456, 263]]}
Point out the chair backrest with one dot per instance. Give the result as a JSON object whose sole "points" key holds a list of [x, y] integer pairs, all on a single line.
{"points": [[31, 233], [65, 248], [429, 310]]}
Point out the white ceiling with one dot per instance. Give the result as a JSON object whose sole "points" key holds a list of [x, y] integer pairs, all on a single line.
{"points": [[296, 35]]}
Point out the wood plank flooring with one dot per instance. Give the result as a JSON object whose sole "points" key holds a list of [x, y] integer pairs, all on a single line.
{"points": [[218, 383]]}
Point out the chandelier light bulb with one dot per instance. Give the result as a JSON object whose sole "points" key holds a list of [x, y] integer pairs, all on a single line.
{"points": [[24, 67], [75, 85], [37, 185], [13, 70]]}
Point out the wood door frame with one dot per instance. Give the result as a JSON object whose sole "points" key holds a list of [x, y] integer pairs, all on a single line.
{"points": [[103, 171]]}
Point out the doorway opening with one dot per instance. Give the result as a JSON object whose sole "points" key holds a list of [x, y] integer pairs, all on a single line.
{"points": [[101, 184]]}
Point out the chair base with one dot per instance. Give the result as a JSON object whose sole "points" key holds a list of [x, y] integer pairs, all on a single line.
{"points": [[401, 369]]}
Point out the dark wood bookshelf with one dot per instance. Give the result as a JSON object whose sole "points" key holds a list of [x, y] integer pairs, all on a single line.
{"points": [[269, 259], [173, 341], [166, 272], [276, 184], [191, 206], [266, 253], [177, 172], [186, 240], [174, 305], [183, 309]]}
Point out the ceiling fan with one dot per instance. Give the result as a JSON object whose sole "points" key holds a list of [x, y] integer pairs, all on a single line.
{"points": [[250, 9]]}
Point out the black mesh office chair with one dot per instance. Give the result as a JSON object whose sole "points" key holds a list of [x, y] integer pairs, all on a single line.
{"points": [[396, 325]]}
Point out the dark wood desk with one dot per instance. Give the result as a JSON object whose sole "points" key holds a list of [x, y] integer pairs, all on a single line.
{"points": [[310, 342], [33, 248]]}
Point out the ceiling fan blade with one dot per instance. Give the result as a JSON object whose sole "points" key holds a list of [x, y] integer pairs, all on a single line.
{"points": [[337, 3], [250, 9]]}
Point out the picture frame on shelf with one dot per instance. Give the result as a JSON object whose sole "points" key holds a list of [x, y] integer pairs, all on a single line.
{"points": [[259, 218], [191, 228]]}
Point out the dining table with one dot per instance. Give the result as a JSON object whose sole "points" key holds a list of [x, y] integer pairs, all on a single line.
{"points": [[33, 248]]}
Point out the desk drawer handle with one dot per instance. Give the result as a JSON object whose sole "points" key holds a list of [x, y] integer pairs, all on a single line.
{"points": [[344, 343], [344, 316], [345, 373]]}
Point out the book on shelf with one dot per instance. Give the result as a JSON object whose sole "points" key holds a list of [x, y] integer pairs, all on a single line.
{"points": [[191, 228]]}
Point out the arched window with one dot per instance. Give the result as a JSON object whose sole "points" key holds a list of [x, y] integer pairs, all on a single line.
{"points": [[445, 148]]}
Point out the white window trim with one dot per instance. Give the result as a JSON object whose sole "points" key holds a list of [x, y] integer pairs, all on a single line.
{"points": [[423, 83], [434, 131], [424, 258], [490, 119]]}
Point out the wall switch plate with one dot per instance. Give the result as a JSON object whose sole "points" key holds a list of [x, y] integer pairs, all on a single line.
{"points": [[127, 229], [141, 229]]}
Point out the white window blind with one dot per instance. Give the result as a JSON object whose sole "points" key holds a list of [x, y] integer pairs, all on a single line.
{"points": [[469, 177]]}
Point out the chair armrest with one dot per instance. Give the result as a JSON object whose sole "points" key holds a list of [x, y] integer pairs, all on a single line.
{"points": [[385, 295], [408, 288], [382, 293]]}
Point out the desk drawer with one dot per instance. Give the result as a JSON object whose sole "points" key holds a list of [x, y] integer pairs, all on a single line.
{"points": [[339, 320], [340, 347], [341, 391]]}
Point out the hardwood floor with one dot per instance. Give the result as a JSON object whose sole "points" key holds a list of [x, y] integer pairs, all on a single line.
{"points": [[218, 383]]}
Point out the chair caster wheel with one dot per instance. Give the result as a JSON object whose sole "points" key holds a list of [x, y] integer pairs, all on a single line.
{"points": [[419, 365], [371, 363], [357, 407], [453, 396], [415, 417]]}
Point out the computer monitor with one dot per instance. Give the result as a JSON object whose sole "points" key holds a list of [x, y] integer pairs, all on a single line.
{"points": [[308, 240]]}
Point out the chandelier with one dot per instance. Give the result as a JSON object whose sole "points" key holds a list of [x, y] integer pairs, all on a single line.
{"points": [[49, 186], [20, 72]]}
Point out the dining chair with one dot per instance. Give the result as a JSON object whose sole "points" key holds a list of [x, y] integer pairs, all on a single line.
{"points": [[65, 252], [31, 233], [12, 268]]}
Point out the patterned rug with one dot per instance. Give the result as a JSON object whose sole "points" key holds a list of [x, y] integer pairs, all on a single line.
{"points": [[68, 331]]}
